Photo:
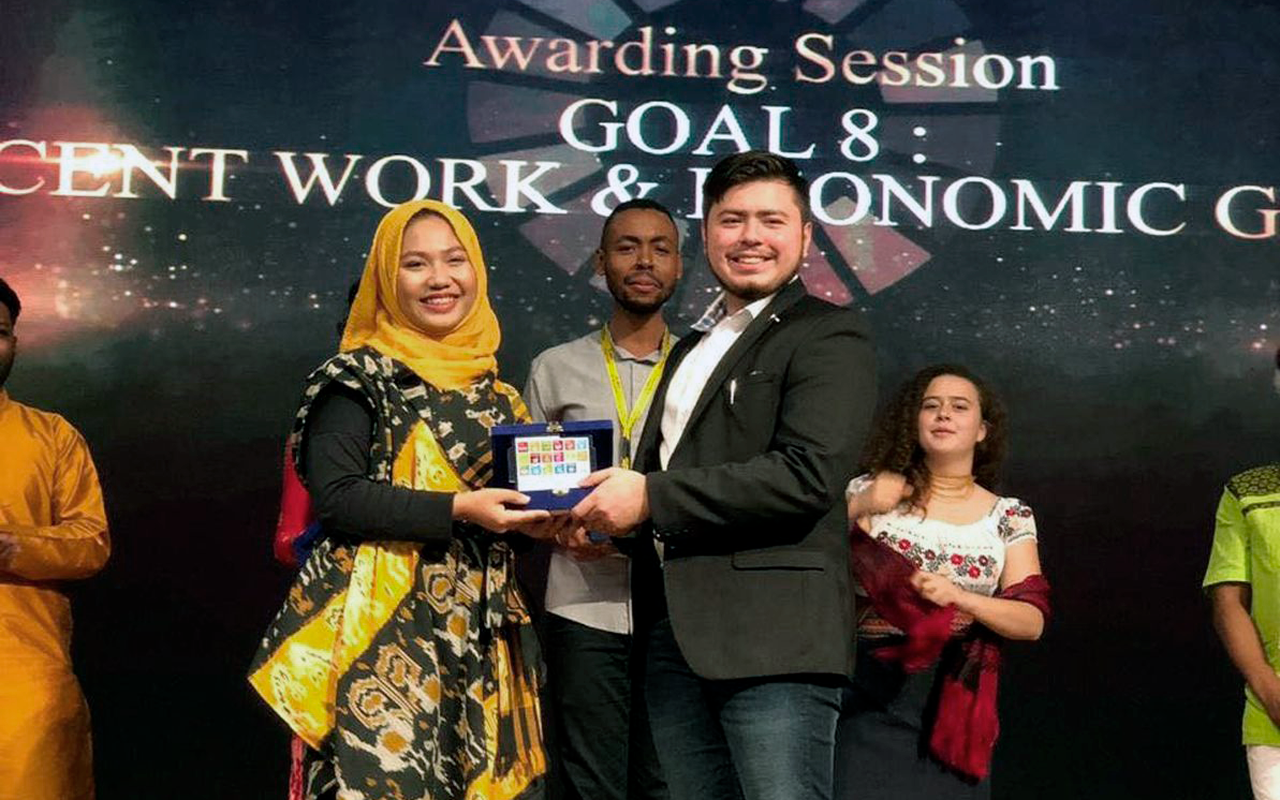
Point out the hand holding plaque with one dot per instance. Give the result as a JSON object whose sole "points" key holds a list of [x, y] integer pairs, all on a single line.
{"points": [[548, 461]]}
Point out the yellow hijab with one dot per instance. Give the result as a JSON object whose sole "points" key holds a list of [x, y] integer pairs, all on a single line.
{"points": [[449, 362]]}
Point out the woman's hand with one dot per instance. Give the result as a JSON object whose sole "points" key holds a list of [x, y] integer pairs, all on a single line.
{"points": [[887, 490], [937, 589], [488, 508], [884, 493]]}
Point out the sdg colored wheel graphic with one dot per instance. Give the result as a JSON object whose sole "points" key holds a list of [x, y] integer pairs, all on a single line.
{"points": [[948, 132]]}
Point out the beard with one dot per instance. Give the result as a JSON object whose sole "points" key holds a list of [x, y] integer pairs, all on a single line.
{"points": [[752, 292], [635, 305]]}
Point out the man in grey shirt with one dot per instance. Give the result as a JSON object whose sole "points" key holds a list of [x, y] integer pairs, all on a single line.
{"points": [[595, 675]]}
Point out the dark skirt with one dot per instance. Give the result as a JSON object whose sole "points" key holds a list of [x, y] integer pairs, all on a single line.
{"points": [[882, 743]]}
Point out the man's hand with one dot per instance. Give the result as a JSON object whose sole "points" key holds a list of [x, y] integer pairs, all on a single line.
{"points": [[617, 504], [548, 529], [1231, 603], [577, 542], [569, 537], [488, 509], [1266, 685]]}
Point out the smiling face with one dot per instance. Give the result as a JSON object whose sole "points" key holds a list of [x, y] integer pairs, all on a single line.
{"points": [[640, 259], [950, 418], [436, 282], [755, 238]]}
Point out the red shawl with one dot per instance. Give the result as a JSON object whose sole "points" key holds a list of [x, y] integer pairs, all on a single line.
{"points": [[964, 729]]}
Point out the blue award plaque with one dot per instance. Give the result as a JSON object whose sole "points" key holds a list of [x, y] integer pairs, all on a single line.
{"points": [[548, 460]]}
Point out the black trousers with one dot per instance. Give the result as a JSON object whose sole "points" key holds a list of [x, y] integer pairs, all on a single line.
{"points": [[596, 680]]}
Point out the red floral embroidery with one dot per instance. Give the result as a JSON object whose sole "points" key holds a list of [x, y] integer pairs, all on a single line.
{"points": [[962, 567]]}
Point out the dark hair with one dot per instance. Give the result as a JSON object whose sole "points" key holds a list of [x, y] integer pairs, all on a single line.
{"points": [[641, 203], [10, 299], [894, 443], [754, 165]]}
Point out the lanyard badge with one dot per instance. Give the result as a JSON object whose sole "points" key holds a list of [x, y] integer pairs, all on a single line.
{"points": [[627, 418]]}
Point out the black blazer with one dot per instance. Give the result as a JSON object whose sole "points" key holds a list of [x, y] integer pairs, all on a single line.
{"points": [[751, 507]]}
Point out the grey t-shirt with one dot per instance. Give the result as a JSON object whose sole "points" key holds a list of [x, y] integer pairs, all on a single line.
{"points": [[567, 383]]}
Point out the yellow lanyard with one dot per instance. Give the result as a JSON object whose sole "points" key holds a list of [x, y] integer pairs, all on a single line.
{"points": [[627, 419]]}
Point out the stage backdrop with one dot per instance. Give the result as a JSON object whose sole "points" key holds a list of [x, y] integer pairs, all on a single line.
{"points": [[1076, 199]]}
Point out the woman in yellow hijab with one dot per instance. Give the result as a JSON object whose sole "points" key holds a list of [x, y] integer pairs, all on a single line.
{"points": [[403, 658]]}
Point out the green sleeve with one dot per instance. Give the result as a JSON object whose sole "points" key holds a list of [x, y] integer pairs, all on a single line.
{"points": [[1229, 558]]}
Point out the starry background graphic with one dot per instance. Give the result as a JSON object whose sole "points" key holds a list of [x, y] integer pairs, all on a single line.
{"points": [[176, 333]]}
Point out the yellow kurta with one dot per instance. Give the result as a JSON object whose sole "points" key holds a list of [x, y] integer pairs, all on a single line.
{"points": [[52, 529]]}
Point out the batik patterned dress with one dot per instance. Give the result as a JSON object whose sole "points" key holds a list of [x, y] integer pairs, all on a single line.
{"points": [[410, 674]]}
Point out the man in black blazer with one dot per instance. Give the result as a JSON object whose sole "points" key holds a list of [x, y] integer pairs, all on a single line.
{"points": [[739, 483]]}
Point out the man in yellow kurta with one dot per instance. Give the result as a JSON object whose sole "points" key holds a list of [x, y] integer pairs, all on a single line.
{"points": [[52, 529]]}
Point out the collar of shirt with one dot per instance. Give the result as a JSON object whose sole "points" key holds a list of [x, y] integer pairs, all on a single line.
{"points": [[718, 312], [626, 355]]}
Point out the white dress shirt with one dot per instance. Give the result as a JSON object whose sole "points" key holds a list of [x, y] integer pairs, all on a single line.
{"points": [[695, 369]]}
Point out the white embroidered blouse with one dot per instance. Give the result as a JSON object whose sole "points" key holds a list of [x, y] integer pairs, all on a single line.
{"points": [[970, 555]]}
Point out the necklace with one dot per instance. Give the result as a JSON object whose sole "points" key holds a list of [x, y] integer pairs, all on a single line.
{"points": [[951, 487]]}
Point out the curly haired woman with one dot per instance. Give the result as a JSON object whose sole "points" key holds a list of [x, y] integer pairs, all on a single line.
{"points": [[950, 569]]}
